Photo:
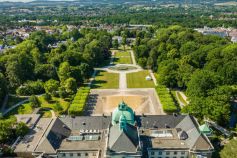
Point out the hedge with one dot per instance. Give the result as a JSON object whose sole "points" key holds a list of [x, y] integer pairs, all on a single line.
{"points": [[79, 102], [166, 99]]}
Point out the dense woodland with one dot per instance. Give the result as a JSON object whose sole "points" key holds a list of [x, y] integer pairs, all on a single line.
{"points": [[191, 17], [34, 68], [204, 66]]}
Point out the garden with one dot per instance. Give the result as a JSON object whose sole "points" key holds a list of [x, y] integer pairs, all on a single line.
{"points": [[166, 99], [79, 102], [138, 80]]}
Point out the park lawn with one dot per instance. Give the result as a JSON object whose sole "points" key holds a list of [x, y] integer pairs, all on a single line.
{"points": [[122, 58], [52, 104], [138, 80], [105, 80], [24, 109]]}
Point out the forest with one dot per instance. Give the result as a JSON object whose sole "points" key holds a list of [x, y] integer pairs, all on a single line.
{"points": [[33, 67], [204, 67]]}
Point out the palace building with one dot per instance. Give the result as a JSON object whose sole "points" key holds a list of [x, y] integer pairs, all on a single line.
{"points": [[122, 135]]}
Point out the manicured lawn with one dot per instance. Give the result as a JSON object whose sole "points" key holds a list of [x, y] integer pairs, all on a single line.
{"points": [[59, 105], [138, 80], [122, 58], [105, 80]]}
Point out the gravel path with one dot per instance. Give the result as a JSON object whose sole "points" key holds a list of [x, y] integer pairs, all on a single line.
{"points": [[133, 57], [122, 81]]}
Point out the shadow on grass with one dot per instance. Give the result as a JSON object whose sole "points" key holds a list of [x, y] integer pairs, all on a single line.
{"points": [[98, 83], [115, 59]]}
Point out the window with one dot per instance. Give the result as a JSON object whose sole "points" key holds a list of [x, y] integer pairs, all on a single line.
{"points": [[167, 153], [174, 157], [86, 154], [181, 157], [71, 154], [152, 153], [78, 154], [63, 154], [94, 154], [183, 152], [175, 152], [160, 153]]}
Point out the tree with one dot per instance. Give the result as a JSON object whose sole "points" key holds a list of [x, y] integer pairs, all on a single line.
{"points": [[6, 126], [47, 97], [21, 129], [34, 101], [64, 71], [201, 82], [3, 87], [75, 34], [45, 72], [115, 44], [229, 150], [30, 88], [70, 85], [124, 41], [51, 87]]}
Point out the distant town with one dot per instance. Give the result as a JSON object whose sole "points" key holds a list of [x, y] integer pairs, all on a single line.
{"points": [[118, 79]]}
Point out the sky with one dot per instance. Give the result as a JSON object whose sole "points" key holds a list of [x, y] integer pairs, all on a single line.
{"points": [[16, 0]]}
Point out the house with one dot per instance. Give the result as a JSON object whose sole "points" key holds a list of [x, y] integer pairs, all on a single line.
{"points": [[123, 134]]}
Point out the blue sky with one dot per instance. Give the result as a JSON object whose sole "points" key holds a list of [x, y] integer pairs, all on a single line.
{"points": [[16, 0]]}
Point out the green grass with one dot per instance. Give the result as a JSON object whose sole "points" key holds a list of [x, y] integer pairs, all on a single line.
{"points": [[166, 99], [45, 113], [26, 108], [122, 58], [181, 98], [53, 104], [138, 80], [105, 80], [22, 109]]}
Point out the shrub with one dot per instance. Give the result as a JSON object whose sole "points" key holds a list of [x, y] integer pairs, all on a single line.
{"points": [[47, 97], [21, 129], [34, 101], [79, 102], [31, 88], [166, 99]]}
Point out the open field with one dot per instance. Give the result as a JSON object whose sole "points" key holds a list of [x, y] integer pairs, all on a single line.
{"points": [[142, 101], [122, 57], [138, 80], [105, 80]]}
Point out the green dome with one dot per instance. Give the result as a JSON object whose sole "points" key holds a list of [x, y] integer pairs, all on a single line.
{"points": [[122, 122], [126, 111]]}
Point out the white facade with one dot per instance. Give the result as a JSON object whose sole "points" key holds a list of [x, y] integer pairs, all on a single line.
{"points": [[167, 153], [78, 154]]}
